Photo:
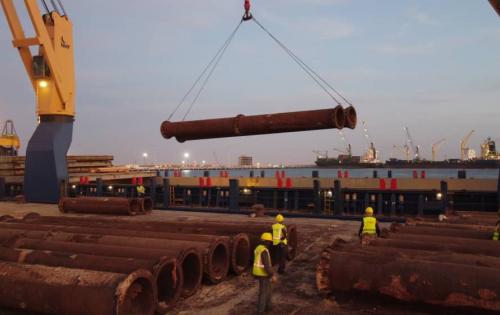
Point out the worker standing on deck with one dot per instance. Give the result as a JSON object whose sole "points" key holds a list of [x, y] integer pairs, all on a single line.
{"points": [[369, 225], [496, 232], [263, 271], [280, 243]]}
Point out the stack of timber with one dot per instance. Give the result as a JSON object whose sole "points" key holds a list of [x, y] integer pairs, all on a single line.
{"points": [[14, 165], [451, 265], [171, 259]]}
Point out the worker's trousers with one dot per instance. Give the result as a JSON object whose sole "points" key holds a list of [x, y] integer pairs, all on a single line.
{"points": [[281, 254], [264, 303]]}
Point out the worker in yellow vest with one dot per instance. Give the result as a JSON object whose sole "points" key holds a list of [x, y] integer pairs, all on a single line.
{"points": [[263, 271], [141, 191], [369, 226], [280, 243], [496, 232]]}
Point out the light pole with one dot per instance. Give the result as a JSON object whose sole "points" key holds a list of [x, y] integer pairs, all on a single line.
{"points": [[145, 156]]}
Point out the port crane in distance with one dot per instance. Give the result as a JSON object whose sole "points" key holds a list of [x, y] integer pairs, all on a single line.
{"points": [[435, 148], [48, 60], [9, 141], [464, 146]]}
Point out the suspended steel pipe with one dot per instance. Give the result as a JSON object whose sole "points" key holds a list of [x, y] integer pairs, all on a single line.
{"points": [[242, 125]]}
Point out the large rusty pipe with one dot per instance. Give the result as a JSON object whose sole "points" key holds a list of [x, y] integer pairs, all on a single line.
{"points": [[66, 291], [100, 205], [483, 248], [253, 229], [475, 227], [441, 231], [257, 124], [239, 244], [350, 117], [166, 273], [189, 258], [414, 280], [145, 204]]}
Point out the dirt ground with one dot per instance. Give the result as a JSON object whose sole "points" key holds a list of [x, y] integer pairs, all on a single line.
{"points": [[294, 293]]}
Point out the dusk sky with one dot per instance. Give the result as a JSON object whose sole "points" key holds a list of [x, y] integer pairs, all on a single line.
{"points": [[431, 65]]}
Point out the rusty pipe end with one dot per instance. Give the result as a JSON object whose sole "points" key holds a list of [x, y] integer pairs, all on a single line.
{"points": [[31, 216], [350, 117], [136, 294], [168, 131], [240, 253], [217, 260], [338, 117], [192, 270], [168, 276], [6, 217], [323, 272], [60, 205]]}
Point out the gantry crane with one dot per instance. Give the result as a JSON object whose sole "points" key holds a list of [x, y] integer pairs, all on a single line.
{"points": [[464, 146], [9, 141], [435, 148], [51, 72]]}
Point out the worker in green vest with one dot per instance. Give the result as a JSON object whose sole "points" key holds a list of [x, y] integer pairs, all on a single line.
{"points": [[496, 232], [263, 271], [369, 225], [280, 243]]}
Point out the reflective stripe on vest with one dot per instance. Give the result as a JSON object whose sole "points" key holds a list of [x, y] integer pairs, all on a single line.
{"points": [[369, 225], [496, 235], [277, 233], [258, 266]]}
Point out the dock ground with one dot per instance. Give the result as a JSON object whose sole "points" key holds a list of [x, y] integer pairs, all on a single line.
{"points": [[294, 293]]}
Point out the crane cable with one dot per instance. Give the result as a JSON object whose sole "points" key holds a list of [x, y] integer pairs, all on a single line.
{"points": [[212, 64], [320, 81]]}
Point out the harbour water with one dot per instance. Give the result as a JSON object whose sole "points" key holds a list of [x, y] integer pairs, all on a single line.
{"points": [[352, 173]]}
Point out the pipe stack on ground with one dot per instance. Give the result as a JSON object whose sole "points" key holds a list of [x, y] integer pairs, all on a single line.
{"points": [[106, 205], [430, 264], [177, 255]]}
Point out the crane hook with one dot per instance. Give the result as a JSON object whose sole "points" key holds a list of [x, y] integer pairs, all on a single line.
{"points": [[247, 16]]}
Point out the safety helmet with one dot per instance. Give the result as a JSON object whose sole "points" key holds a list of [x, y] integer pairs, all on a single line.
{"points": [[369, 211], [266, 237], [279, 218]]}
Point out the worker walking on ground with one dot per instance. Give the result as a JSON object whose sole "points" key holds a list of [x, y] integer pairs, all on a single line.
{"points": [[496, 231], [280, 243], [263, 271], [369, 225]]}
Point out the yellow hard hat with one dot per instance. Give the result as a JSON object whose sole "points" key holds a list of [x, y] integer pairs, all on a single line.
{"points": [[279, 218], [369, 211], [266, 237]]}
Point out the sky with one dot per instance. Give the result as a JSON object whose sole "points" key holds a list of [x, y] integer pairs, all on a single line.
{"points": [[433, 66]]}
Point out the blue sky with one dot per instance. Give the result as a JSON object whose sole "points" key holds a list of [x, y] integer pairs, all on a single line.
{"points": [[433, 66]]}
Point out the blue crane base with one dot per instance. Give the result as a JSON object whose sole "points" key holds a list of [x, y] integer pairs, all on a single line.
{"points": [[46, 170]]}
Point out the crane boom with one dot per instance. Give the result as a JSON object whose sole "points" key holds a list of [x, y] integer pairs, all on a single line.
{"points": [[464, 145], [414, 148], [435, 148], [50, 69]]}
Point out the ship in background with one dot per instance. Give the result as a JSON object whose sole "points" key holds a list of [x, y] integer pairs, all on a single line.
{"points": [[489, 157]]}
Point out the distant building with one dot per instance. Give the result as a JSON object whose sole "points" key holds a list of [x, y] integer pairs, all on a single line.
{"points": [[244, 160]]}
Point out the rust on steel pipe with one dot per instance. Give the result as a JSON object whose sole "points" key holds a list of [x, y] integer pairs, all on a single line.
{"points": [[350, 117], [239, 244], [256, 125], [166, 273], [59, 290], [431, 282], [440, 231], [100, 205], [483, 248], [189, 258]]}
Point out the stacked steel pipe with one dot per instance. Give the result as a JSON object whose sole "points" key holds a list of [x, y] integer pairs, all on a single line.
{"points": [[106, 205], [173, 256], [242, 125], [424, 263]]}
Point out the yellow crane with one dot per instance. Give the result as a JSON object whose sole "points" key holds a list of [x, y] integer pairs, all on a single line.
{"points": [[435, 148], [464, 146], [49, 63], [9, 141]]}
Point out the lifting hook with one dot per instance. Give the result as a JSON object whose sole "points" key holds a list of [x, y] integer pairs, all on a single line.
{"points": [[247, 16]]}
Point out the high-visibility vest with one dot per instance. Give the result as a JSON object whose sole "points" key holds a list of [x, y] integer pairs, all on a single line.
{"points": [[496, 235], [369, 226], [258, 265], [141, 189], [278, 233]]}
